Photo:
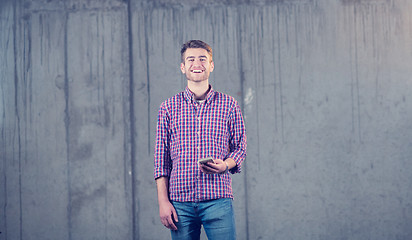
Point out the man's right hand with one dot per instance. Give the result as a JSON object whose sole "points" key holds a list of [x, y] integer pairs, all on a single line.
{"points": [[168, 215]]}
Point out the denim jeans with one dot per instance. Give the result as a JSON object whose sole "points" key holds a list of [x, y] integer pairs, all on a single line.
{"points": [[216, 216]]}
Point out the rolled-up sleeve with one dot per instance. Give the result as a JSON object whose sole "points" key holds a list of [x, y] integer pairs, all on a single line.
{"points": [[162, 162], [237, 141]]}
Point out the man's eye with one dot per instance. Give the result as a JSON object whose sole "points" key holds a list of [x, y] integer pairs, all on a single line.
{"points": [[202, 59]]}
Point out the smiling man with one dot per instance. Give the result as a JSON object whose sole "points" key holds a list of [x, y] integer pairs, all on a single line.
{"points": [[195, 124]]}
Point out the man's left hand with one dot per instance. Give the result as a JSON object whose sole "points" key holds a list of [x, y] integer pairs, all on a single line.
{"points": [[215, 167]]}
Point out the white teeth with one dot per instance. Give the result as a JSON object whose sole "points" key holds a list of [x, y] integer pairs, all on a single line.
{"points": [[197, 71]]}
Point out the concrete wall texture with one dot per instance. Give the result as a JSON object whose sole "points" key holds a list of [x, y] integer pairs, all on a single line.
{"points": [[325, 88]]}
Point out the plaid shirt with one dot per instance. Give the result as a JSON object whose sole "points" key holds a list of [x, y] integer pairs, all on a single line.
{"points": [[187, 131]]}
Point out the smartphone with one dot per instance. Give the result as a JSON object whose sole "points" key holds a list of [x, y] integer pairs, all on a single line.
{"points": [[205, 160]]}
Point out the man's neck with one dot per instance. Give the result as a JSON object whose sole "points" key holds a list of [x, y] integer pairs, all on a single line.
{"points": [[199, 89]]}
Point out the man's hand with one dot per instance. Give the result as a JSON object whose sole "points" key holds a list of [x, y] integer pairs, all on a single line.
{"points": [[215, 167], [167, 214]]}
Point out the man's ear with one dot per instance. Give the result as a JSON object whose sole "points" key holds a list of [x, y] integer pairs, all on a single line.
{"points": [[212, 66], [182, 68]]}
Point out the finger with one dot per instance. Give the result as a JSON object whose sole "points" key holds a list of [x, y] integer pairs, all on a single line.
{"points": [[173, 227], [211, 169], [213, 166], [204, 170], [207, 167], [175, 215], [171, 224], [165, 223]]}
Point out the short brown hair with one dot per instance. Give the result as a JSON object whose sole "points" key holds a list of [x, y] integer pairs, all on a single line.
{"points": [[195, 44]]}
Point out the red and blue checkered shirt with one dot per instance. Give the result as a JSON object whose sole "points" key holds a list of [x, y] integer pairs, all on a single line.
{"points": [[187, 131]]}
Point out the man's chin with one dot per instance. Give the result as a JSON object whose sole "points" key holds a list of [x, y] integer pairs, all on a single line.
{"points": [[196, 80]]}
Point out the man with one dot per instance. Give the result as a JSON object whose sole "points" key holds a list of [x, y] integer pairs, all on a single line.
{"points": [[198, 123]]}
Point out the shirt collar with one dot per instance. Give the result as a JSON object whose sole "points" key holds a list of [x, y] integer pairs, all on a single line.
{"points": [[190, 96]]}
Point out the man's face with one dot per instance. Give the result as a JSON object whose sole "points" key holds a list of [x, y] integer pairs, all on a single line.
{"points": [[197, 64]]}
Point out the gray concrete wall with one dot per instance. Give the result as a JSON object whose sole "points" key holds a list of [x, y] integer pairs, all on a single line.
{"points": [[325, 87]]}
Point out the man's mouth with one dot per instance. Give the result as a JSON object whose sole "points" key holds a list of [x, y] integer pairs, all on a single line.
{"points": [[197, 71]]}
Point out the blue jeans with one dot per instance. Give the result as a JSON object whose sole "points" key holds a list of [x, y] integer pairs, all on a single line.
{"points": [[217, 217]]}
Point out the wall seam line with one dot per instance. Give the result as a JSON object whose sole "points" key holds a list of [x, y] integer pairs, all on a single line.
{"points": [[135, 227]]}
